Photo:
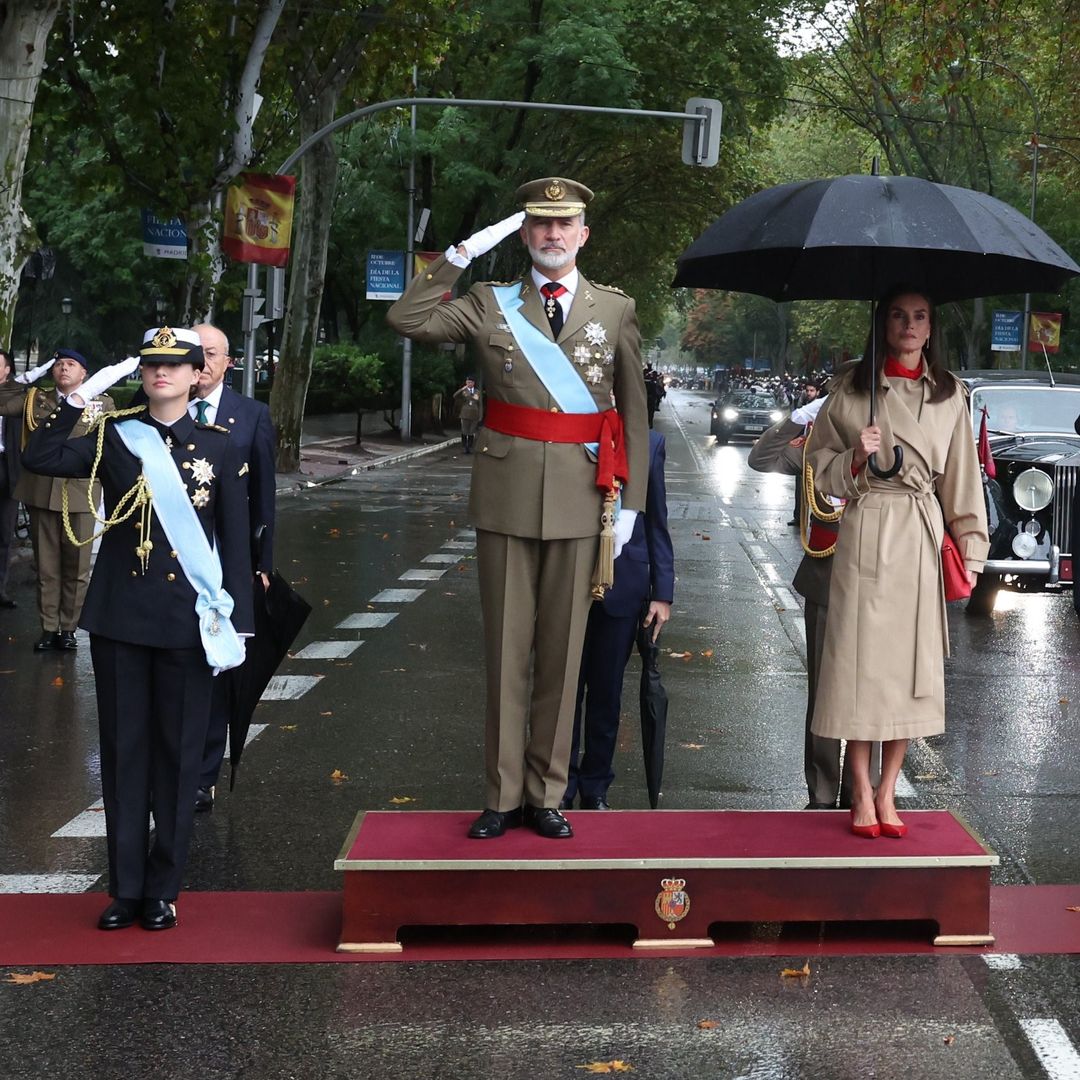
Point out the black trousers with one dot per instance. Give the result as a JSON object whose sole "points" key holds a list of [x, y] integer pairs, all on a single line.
{"points": [[217, 732], [153, 709], [9, 516]]}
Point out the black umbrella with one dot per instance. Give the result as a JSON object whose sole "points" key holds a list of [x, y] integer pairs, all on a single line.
{"points": [[280, 612], [654, 702], [854, 237]]}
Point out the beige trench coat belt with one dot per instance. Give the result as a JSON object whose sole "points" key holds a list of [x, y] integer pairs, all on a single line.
{"points": [[930, 596]]}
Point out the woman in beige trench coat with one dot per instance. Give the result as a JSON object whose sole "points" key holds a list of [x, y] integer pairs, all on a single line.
{"points": [[882, 670]]}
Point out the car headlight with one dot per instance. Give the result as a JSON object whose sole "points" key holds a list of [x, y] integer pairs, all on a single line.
{"points": [[731, 414], [776, 416], [1033, 490]]}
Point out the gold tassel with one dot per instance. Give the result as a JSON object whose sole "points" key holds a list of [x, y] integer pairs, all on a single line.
{"points": [[604, 574]]}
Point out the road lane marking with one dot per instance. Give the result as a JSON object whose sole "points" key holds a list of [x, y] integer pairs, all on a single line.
{"points": [[1002, 961], [1051, 1044], [749, 537], [46, 883], [904, 787], [289, 687], [367, 620], [441, 558], [770, 572], [91, 822], [787, 600], [459, 545], [423, 575], [327, 650], [396, 596], [741, 522]]}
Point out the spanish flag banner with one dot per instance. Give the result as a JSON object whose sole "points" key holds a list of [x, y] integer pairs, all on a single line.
{"points": [[1045, 332], [258, 219]]}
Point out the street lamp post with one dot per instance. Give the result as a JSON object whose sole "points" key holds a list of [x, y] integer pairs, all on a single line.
{"points": [[1034, 181], [159, 310], [65, 307]]}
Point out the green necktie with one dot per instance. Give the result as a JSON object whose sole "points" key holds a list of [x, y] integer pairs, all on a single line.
{"points": [[200, 411]]}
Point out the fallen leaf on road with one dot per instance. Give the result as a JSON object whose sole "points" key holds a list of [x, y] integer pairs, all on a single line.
{"points": [[400, 800], [993, 772], [707, 652], [797, 973], [385, 536], [680, 655], [337, 776], [288, 727], [692, 745], [326, 603], [949, 1040], [615, 1066], [706, 536], [334, 533], [18, 978], [708, 1025], [927, 776], [1063, 701], [10, 671], [329, 712], [58, 681]]}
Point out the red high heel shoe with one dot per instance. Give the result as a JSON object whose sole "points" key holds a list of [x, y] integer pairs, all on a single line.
{"points": [[896, 832], [867, 832]]}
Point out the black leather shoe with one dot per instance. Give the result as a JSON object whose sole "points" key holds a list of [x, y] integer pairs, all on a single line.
{"points": [[594, 804], [492, 823], [48, 641], [204, 799], [119, 914], [548, 822], [67, 640], [820, 806], [158, 914]]}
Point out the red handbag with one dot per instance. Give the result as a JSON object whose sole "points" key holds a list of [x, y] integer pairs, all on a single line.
{"points": [[953, 571]]}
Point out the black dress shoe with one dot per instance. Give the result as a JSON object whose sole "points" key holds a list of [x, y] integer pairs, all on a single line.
{"points": [[594, 804], [48, 641], [67, 640], [492, 823], [548, 822], [158, 914], [820, 806], [119, 914], [204, 799]]}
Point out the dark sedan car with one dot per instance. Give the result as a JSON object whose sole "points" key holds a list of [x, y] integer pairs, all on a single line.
{"points": [[743, 414], [1036, 450]]}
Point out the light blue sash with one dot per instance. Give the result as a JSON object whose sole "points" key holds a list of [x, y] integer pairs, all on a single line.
{"points": [[198, 560]]}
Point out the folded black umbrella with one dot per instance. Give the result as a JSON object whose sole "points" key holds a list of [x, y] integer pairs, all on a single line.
{"points": [[654, 706], [280, 612]]}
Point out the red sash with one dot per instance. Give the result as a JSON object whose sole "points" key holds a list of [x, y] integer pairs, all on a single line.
{"points": [[603, 428]]}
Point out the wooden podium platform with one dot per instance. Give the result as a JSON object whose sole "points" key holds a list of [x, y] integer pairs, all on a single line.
{"points": [[669, 873]]}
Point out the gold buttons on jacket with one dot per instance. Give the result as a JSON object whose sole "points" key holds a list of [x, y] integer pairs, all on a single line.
{"points": [[170, 577], [172, 555], [134, 573], [185, 464], [191, 446], [554, 408]]}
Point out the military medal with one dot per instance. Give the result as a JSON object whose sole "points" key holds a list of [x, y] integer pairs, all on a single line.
{"points": [[202, 472], [581, 355], [508, 366], [594, 374], [200, 497], [609, 358], [595, 334]]}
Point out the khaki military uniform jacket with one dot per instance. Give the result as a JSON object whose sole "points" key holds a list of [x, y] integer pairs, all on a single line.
{"points": [[35, 407], [882, 671], [523, 487]]}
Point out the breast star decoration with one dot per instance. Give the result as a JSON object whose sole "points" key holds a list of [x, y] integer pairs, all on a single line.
{"points": [[609, 358], [202, 472], [594, 374], [200, 497], [581, 355], [595, 334]]}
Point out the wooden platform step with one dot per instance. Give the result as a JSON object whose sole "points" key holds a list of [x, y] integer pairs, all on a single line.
{"points": [[670, 873]]}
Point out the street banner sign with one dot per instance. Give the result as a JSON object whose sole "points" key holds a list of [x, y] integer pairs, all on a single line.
{"points": [[385, 275], [258, 219], [1007, 331], [163, 239], [1045, 333]]}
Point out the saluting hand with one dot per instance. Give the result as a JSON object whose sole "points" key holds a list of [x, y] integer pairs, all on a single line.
{"points": [[869, 443]]}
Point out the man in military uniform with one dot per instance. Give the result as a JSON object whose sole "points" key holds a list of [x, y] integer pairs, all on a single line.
{"points": [[63, 568], [174, 565], [467, 399], [557, 352], [10, 454]]}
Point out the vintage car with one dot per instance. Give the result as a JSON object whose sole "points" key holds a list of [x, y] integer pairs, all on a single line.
{"points": [[743, 414], [1030, 422]]}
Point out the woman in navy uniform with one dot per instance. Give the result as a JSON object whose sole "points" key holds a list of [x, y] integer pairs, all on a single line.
{"points": [[158, 610]]}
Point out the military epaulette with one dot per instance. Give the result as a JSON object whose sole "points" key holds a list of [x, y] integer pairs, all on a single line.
{"points": [[608, 288], [212, 427], [119, 414], [500, 284]]}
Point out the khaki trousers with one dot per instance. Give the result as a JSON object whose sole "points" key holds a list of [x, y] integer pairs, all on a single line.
{"points": [[535, 597], [63, 570]]}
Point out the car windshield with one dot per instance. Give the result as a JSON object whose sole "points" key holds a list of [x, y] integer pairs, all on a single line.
{"points": [[752, 401], [1026, 408]]}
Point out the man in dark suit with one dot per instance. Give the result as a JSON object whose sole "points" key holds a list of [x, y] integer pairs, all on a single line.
{"points": [[9, 477], [252, 435], [644, 575]]}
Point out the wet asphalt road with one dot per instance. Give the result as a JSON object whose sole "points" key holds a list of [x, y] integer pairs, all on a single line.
{"points": [[398, 707]]}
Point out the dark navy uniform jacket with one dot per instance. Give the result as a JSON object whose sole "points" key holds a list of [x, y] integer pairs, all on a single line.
{"points": [[645, 568], [155, 608]]}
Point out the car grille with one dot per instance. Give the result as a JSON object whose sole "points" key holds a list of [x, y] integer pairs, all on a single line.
{"points": [[1065, 478]]}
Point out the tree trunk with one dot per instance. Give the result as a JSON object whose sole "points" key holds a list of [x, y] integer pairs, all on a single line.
{"points": [[24, 32], [318, 184]]}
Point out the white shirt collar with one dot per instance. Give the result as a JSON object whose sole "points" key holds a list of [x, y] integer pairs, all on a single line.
{"points": [[569, 283], [213, 399]]}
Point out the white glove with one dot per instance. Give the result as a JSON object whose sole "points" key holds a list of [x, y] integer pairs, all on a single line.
{"points": [[101, 380], [483, 241], [808, 413], [35, 373], [624, 528]]}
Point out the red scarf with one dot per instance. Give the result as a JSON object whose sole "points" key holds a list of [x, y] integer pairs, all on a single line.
{"points": [[895, 370]]}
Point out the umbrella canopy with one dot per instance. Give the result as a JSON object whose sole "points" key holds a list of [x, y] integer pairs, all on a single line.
{"points": [[280, 612], [853, 237], [654, 703]]}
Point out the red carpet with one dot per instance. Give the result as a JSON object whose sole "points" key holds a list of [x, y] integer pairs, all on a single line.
{"points": [[46, 930]]}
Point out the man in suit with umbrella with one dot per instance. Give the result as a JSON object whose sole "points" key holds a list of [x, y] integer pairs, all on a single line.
{"points": [[644, 581]]}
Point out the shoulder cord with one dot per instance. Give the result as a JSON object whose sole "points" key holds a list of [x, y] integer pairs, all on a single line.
{"points": [[137, 498], [811, 506]]}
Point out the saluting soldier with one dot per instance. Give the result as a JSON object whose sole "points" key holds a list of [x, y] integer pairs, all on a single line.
{"points": [[467, 399], [63, 565], [566, 432], [170, 593]]}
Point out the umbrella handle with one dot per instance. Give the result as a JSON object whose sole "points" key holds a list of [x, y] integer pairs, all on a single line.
{"points": [[884, 474]]}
